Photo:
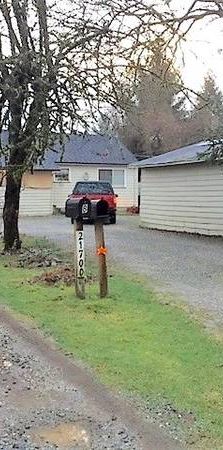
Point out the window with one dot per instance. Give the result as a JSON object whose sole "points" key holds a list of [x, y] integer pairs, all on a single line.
{"points": [[105, 175], [119, 177], [93, 187], [61, 176], [115, 176]]}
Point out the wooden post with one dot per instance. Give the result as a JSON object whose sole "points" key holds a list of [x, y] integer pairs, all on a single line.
{"points": [[79, 259], [100, 245]]}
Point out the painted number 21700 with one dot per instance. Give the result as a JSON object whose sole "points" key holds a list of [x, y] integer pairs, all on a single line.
{"points": [[80, 254]]}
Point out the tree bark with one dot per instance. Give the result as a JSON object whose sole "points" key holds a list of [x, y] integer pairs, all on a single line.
{"points": [[11, 212]]}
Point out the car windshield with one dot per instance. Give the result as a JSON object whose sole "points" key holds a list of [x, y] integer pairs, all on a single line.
{"points": [[93, 188]]}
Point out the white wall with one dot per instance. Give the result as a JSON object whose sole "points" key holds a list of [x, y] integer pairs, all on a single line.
{"points": [[36, 202], [127, 196], [183, 198], [33, 202], [2, 195]]}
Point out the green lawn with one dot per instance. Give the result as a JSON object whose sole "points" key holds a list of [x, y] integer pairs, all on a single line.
{"points": [[134, 342]]}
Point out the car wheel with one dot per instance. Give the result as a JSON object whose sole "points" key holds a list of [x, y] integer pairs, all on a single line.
{"points": [[113, 218]]}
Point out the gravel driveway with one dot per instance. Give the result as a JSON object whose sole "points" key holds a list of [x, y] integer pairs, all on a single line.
{"points": [[190, 266], [50, 402]]}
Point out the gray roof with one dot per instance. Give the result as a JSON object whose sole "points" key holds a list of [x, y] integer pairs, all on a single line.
{"points": [[186, 155], [95, 149], [86, 149], [49, 162]]}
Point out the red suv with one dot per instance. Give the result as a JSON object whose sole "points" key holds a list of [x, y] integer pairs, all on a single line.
{"points": [[97, 190]]}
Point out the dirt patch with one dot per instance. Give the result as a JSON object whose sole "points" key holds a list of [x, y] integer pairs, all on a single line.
{"points": [[65, 435], [64, 274], [35, 257]]}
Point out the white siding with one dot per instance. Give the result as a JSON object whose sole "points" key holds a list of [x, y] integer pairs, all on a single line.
{"points": [[2, 194], [36, 202], [127, 196], [60, 193], [183, 198], [33, 202]]}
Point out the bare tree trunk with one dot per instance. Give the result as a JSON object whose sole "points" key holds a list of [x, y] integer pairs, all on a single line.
{"points": [[11, 212]]}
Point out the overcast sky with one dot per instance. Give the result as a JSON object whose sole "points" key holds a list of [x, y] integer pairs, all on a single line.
{"points": [[203, 50]]}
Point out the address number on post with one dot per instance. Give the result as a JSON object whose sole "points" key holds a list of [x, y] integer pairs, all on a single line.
{"points": [[80, 254]]}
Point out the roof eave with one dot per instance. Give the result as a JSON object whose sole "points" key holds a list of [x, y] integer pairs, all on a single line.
{"points": [[42, 169], [103, 163], [174, 163]]}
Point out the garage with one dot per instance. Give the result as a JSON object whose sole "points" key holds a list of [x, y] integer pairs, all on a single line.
{"points": [[35, 195], [182, 191]]}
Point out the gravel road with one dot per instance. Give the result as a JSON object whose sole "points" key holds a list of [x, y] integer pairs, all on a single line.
{"points": [[190, 266], [48, 402]]}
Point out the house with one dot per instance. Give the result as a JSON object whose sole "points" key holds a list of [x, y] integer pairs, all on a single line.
{"points": [[182, 191], [85, 157]]}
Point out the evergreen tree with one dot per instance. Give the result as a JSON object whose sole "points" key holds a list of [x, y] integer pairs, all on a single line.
{"points": [[155, 118], [208, 112]]}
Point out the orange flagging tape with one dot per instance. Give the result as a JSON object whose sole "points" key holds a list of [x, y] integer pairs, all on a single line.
{"points": [[102, 251]]}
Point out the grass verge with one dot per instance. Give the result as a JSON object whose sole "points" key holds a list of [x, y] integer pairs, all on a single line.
{"points": [[134, 342]]}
